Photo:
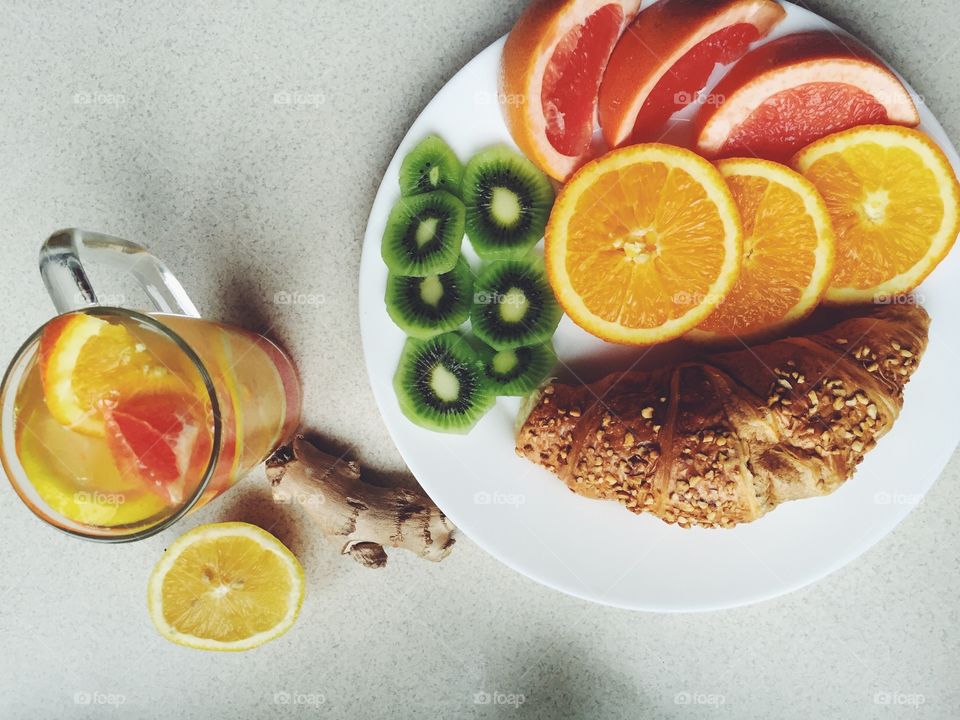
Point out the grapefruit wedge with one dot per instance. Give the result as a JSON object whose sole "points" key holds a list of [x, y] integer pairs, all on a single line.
{"points": [[797, 89], [666, 57], [550, 74]]}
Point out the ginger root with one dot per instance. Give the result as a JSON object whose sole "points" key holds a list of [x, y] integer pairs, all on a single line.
{"points": [[365, 518]]}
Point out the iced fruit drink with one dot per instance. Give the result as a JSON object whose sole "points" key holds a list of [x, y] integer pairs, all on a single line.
{"points": [[121, 422]]}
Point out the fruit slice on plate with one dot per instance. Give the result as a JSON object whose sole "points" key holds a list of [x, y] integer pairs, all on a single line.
{"points": [[797, 89], [788, 248], [667, 56], [508, 201], [440, 384], [227, 586], [513, 305], [893, 198], [429, 167], [424, 234], [426, 306], [643, 244], [552, 64], [519, 371], [86, 361]]}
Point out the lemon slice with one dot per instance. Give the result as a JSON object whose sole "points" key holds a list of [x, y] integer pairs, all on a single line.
{"points": [[226, 586]]}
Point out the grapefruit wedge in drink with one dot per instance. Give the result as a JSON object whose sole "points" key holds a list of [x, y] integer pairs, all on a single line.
{"points": [[160, 439], [797, 89], [667, 56], [550, 74]]}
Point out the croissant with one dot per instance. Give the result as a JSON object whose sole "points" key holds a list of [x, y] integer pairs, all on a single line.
{"points": [[725, 440]]}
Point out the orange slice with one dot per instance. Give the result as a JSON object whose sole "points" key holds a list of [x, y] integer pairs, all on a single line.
{"points": [[788, 251], [550, 75], [893, 198], [643, 244], [86, 361]]}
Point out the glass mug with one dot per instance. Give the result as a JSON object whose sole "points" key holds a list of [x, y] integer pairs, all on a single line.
{"points": [[114, 423]]}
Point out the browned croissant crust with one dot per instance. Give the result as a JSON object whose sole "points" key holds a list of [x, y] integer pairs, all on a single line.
{"points": [[725, 440]]}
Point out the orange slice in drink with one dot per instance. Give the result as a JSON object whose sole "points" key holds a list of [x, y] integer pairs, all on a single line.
{"points": [[86, 362], [788, 251], [643, 244], [550, 76], [895, 204]]}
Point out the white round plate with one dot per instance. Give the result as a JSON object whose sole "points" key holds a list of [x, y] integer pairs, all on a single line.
{"points": [[528, 519]]}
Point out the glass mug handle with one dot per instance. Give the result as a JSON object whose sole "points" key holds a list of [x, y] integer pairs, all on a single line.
{"points": [[61, 266]]}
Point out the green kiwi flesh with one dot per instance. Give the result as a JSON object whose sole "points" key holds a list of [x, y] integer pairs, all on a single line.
{"points": [[519, 371], [513, 305], [431, 166], [426, 306], [424, 234], [440, 384], [508, 203]]}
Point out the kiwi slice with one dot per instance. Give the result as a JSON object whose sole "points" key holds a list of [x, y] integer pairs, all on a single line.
{"points": [[508, 203], [426, 306], [441, 385], [513, 305], [518, 371], [423, 234], [430, 166]]}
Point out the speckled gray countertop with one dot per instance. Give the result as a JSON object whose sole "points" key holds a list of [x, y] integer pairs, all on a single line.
{"points": [[159, 122]]}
